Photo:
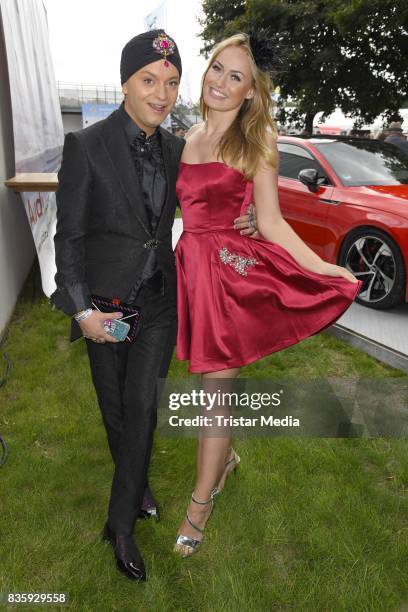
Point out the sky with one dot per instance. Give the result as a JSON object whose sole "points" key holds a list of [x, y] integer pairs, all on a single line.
{"points": [[87, 37]]}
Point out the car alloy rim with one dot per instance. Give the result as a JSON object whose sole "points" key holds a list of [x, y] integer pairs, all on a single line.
{"points": [[371, 260]]}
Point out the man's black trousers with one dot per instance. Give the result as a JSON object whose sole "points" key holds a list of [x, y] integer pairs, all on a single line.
{"points": [[125, 378]]}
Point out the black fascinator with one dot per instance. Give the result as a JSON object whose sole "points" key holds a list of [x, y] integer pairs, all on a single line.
{"points": [[267, 49]]}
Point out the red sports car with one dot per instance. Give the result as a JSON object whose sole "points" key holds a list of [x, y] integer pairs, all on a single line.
{"points": [[348, 200]]}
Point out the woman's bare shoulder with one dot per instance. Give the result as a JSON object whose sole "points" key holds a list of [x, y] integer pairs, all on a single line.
{"points": [[271, 139], [267, 168], [193, 130]]}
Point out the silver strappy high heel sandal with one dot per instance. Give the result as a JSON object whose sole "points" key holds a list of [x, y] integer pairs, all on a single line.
{"points": [[229, 466], [186, 545]]}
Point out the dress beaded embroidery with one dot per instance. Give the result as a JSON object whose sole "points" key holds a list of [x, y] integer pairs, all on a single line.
{"points": [[238, 262]]}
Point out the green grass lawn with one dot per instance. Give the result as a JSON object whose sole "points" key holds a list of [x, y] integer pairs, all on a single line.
{"points": [[316, 524]]}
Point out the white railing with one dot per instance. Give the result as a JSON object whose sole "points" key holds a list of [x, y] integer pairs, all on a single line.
{"points": [[73, 95]]}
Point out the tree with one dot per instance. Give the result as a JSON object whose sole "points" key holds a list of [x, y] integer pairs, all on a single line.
{"points": [[185, 108], [348, 54]]}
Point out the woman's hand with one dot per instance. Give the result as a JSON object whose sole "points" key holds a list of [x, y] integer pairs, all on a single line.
{"points": [[333, 270]]}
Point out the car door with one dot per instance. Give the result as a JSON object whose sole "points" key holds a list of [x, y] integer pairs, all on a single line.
{"points": [[304, 210]]}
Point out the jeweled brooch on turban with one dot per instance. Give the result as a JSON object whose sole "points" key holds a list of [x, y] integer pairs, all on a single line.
{"points": [[164, 45]]}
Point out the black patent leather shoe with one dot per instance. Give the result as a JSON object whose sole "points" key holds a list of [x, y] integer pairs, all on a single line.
{"points": [[149, 508], [128, 558]]}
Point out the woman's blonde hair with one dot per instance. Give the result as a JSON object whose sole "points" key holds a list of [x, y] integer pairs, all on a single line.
{"points": [[244, 143]]}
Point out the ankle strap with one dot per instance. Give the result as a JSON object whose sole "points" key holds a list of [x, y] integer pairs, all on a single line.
{"points": [[202, 503]]}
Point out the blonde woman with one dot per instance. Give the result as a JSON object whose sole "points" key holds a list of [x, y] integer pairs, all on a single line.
{"points": [[240, 298]]}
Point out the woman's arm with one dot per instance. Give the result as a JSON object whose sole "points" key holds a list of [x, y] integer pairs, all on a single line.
{"points": [[273, 227]]}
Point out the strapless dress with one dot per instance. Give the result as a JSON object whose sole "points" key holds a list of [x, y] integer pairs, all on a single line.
{"points": [[240, 298]]}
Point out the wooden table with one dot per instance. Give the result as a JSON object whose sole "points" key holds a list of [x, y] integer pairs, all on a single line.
{"points": [[33, 181]]}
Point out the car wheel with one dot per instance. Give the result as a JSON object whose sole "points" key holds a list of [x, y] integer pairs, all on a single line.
{"points": [[375, 258]]}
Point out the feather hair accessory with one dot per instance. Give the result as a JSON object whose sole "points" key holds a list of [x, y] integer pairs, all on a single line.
{"points": [[267, 49]]}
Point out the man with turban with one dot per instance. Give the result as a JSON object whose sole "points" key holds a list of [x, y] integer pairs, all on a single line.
{"points": [[115, 210]]}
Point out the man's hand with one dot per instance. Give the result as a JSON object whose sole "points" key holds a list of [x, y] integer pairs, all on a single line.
{"points": [[247, 223], [92, 326]]}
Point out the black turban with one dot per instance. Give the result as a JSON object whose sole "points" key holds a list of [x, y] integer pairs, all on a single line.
{"points": [[146, 48]]}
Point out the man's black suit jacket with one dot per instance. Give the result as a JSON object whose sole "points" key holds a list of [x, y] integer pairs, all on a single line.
{"points": [[103, 232]]}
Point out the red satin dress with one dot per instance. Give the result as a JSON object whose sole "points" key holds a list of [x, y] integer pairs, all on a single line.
{"points": [[239, 298]]}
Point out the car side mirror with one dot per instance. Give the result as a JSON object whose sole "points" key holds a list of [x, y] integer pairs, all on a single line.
{"points": [[310, 178]]}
